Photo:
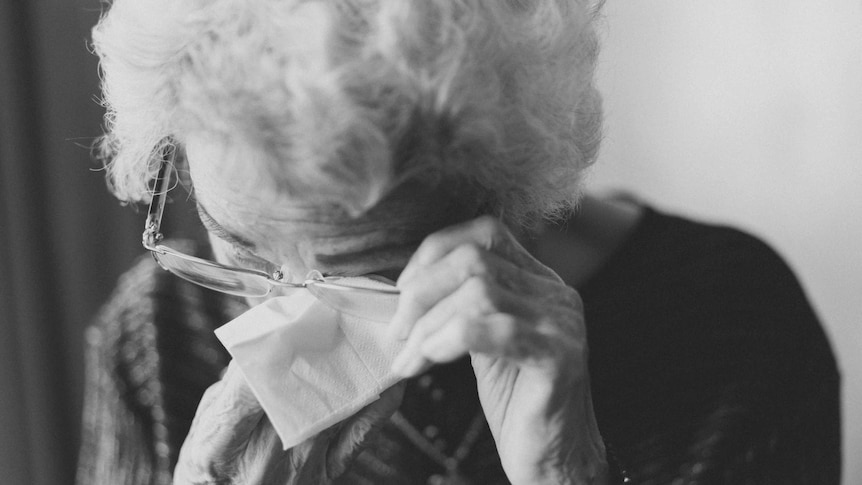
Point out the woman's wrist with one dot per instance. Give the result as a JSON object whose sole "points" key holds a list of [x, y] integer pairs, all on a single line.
{"points": [[585, 459], [582, 465]]}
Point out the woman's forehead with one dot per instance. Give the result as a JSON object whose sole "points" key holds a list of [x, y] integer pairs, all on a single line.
{"points": [[239, 189], [326, 237], [408, 209], [244, 201]]}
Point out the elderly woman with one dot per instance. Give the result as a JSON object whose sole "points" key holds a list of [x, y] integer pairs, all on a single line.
{"points": [[439, 145]]}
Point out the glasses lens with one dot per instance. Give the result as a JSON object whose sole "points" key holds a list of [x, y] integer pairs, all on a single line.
{"points": [[359, 297], [214, 277]]}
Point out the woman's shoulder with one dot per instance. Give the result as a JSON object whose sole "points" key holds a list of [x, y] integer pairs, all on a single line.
{"points": [[154, 321], [663, 251], [702, 339], [613, 239], [706, 299], [151, 354], [693, 293]]}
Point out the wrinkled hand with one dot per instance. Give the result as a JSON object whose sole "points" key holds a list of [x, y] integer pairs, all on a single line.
{"points": [[472, 288], [232, 441]]}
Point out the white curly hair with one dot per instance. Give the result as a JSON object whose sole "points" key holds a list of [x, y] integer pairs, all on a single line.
{"points": [[342, 100]]}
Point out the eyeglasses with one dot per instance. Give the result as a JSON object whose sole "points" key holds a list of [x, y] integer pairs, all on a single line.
{"points": [[333, 290]]}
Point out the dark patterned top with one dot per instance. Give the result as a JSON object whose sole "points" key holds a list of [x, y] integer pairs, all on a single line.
{"points": [[707, 365]]}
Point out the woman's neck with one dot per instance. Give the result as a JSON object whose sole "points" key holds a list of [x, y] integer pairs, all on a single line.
{"points": [[577, 248]]}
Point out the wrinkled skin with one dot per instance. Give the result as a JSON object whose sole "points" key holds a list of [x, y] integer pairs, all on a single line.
{"points": [[473, 289]]}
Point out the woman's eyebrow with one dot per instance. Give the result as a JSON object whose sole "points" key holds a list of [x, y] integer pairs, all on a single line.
{"points": [[211, 225]]}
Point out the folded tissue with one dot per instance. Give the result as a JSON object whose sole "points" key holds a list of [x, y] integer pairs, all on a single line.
{"points": [[310, 365]]}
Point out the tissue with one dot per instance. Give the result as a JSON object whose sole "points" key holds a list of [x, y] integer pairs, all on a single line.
{"points": [[309, 365]]}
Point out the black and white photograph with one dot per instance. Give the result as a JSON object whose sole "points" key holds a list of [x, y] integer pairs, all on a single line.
{"points": [[430, 242]]}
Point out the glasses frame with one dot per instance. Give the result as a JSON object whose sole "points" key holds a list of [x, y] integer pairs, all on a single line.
{"points": [[152, 237]]}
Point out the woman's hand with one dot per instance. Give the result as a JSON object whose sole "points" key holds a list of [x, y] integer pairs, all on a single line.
{"points": [[472, 288], [232, 441]]}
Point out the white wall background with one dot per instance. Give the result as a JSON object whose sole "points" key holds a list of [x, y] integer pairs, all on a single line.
{"points": [[750, 113]]}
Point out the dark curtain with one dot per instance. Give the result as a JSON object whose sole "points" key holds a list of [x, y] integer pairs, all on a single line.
{"points": [[63, 239]]}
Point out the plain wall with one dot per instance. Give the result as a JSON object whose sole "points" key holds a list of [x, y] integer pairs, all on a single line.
{"points": [[750, 113]]}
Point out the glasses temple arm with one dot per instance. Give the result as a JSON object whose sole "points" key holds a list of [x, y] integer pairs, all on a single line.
{"points": [[152, 234]]}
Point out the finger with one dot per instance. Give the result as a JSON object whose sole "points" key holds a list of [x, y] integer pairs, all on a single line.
{"points": [[483, 317], [475, 298], [499, 335], [484, 295], [442, 278], [462, 319], [480, 232], [410, 363], [485, 232], [360, 430], [488, 334], [439, 279]]}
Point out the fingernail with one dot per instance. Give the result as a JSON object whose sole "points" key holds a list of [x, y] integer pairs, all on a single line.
{"points": [[413, 367], [399, 363], [431, 348]]}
